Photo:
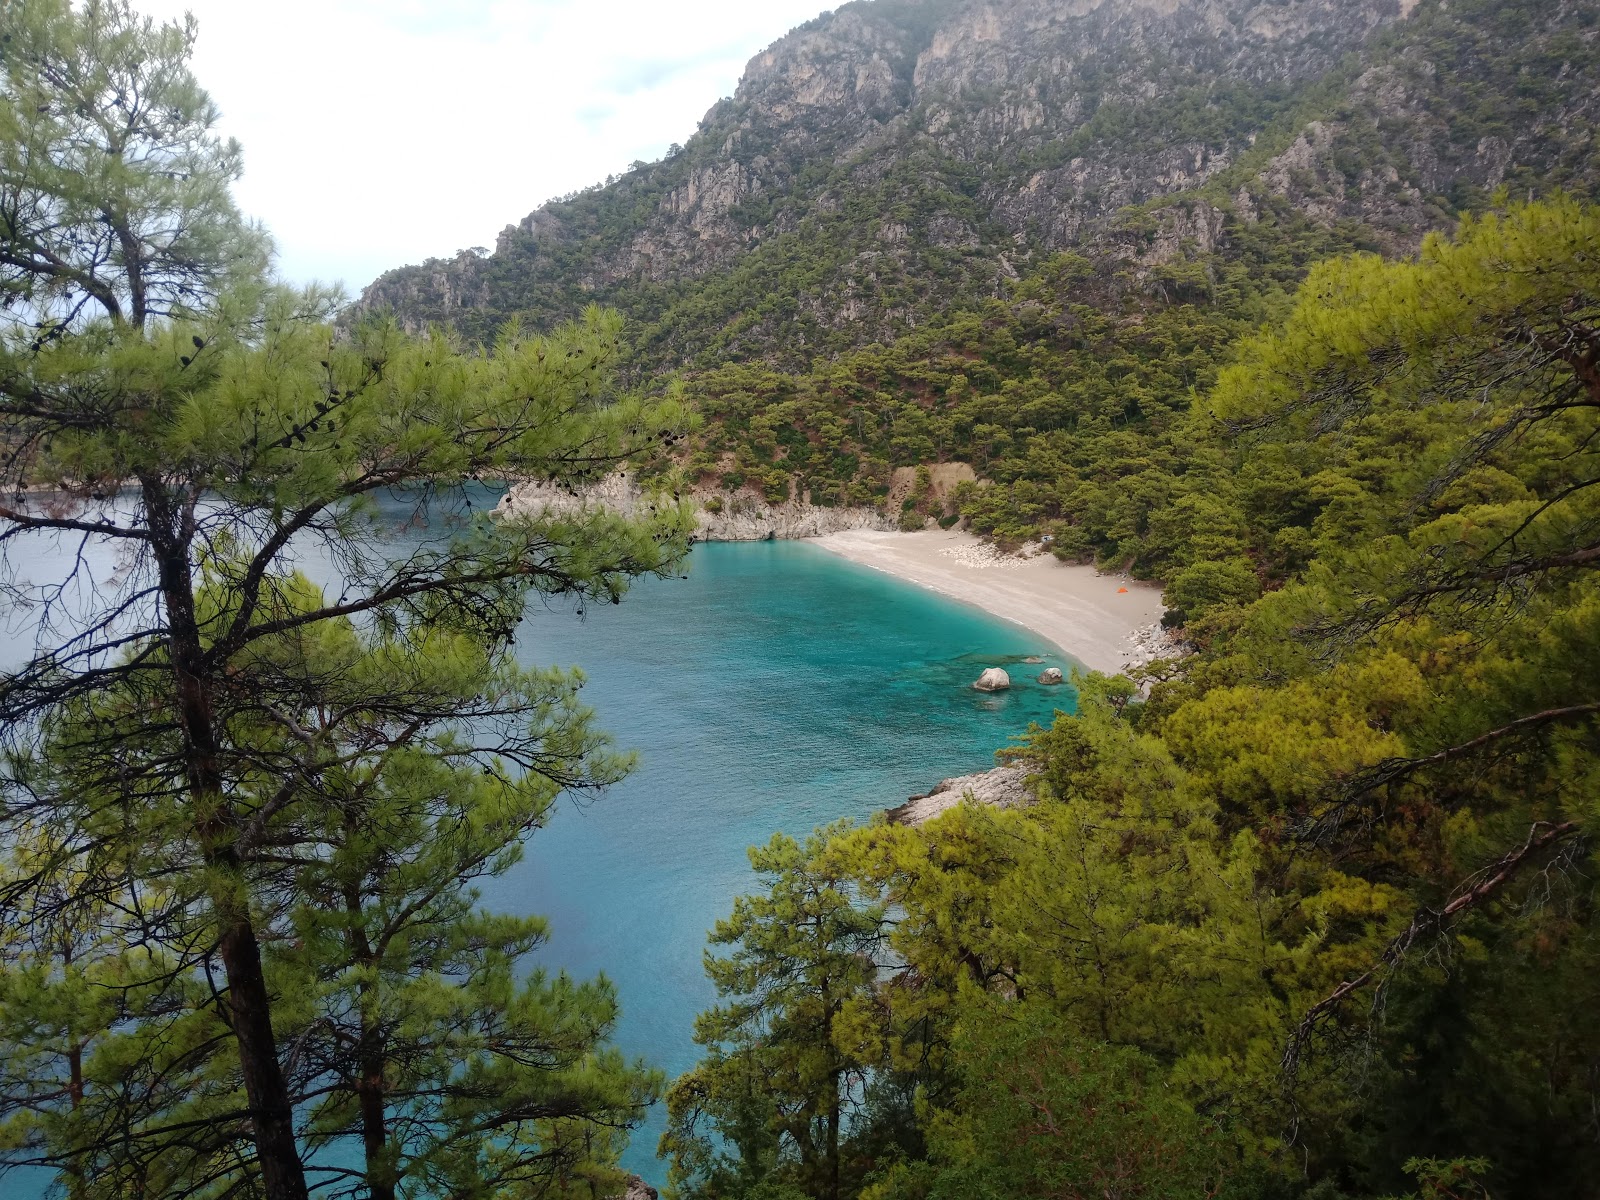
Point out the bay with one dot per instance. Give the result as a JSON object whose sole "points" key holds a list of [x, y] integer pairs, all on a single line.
{"points": [[776, 688]]}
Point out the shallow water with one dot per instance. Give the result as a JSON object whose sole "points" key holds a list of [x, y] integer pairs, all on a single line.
{"points": [[778, 687]]}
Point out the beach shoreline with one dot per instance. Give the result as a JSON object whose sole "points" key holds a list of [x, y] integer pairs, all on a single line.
{"points": [[1092, 618]]}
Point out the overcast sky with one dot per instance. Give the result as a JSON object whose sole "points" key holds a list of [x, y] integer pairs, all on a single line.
{"points": [[382, 132]]}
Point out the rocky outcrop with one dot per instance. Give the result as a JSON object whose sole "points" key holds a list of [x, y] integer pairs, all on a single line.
{"points": [[1150, 644], [943, 479], [1003, 787], [745, 519], [638, 1189], [928, 150], [720, 516], [1051, 676], [993, 680]]}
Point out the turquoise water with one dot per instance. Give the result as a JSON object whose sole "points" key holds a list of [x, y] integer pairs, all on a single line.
{"points": [[778, 687]]}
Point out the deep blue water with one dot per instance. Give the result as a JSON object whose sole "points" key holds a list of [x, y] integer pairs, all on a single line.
{"points": [[778, 687]]}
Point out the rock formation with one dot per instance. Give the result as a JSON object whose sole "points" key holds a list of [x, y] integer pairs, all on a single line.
{"points": [[993, 680], [1147, 645], [1003, 787], [720, 518], [1051, 676], [908, 154]]}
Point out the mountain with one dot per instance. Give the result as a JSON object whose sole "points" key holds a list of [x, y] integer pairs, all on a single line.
{"points": [[895, 158]]}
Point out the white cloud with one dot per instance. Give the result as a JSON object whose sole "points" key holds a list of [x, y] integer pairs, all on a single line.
{"points": [[383, 132]]}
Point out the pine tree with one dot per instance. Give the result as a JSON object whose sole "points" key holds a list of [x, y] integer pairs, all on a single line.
{"points": [[783, 1073], [417, 1033], [144, 354]]}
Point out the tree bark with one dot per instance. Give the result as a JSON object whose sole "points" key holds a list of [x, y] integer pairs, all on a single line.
{"points": [[835, 1076], [374, 1132], [272, 1114], [833, 1140]]}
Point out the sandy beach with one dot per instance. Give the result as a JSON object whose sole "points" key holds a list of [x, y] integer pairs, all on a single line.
{"points": [[1086, 615]]}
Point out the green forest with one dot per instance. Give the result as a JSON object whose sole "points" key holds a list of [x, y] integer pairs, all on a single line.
{"points": [[1306, 913]]}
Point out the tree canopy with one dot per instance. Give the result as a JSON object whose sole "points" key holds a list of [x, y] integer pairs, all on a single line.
{"points": [[1307, 912], [203, 743]]}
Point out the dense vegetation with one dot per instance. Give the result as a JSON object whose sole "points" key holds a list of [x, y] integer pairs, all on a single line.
{"points": [[1313, 915], [1307, 913], [242, 818], [1069, 396]]}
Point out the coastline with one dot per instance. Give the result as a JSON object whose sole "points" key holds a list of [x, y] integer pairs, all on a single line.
{"points": [[1093, 618]]}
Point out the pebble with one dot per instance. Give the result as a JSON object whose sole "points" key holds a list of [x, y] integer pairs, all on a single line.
{"points": [[982, 557], [1150, 643]]}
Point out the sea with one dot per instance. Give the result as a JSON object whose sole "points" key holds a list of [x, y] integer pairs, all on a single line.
{"points": [[774, 687]]}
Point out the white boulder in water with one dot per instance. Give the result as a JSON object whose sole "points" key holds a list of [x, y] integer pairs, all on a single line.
{"points": [[1050, 675], [993, 680]]}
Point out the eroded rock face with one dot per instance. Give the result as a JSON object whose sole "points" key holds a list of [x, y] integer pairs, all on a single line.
{"points": [[1150, 644], [967, 138], [1003, 787], [993, 680], [721, 517]]}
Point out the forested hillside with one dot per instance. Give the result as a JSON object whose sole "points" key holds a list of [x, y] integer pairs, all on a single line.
{"points": [[898, 158], [1021, 236], [1312, 914]]}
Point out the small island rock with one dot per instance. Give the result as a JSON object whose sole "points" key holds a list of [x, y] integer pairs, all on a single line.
{"points": [[993, 680], [1051, 675]]}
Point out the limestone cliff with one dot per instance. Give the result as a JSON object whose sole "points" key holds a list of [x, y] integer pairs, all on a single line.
{"points": [[721, 516], [1003, 787], [895, 156]]}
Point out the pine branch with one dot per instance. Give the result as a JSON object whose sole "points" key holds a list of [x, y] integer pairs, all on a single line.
{"points": [[1427, 922]]}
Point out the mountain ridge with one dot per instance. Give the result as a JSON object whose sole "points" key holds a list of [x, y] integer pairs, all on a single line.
{"points": [[895, 157]]}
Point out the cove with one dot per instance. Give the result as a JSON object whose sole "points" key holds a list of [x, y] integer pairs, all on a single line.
{"points": [[778, 687]]}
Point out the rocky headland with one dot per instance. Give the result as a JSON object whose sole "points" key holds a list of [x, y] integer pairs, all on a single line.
{"points": [[720, 517], [1003, 787]]}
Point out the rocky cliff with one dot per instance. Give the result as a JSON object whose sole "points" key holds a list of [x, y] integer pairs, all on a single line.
{"points": [[721, 517], [897, 156], [1003, 787]]}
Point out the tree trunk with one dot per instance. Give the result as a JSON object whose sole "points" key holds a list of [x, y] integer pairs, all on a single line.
{"points": [[833, 1141], [272, 1114], [370, 1058], [374, 1134], [830, 1011], [76, 1184], [249, 1003]]}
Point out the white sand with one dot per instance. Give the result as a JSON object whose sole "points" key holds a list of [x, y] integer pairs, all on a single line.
{"points": [[1085, 614]]}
